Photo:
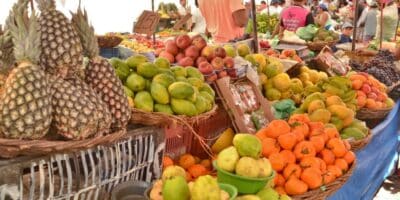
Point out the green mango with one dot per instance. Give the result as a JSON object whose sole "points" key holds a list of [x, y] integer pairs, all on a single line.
{"points": [[193, 72], [176, 188], [159, 93], [164, 79], [311, 98], [135, 82], [183, 107], [143, 101], [181, 90], [163, 109], [351, 132]]}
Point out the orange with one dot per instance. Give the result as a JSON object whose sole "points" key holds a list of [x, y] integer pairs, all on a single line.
{"points": [[277, 161], [270, 146], [292, 170], [295, 186], [206, 163], [322, 164], [304, 149], [299, 118], [279, 180], [189, 177], [312, 177], [335, 170], [167, 161], [370, 103], [187, 161], [308, 162], [300, 129], [277, 128], [280, 190], [347, 144], [197, 170], [332, 132], [261, 134], [337, 146], [318, 142], [361, 101], [349, 157], [289, 156], [357, 84], [342, 164], [287, 141], [327, 156], [328, 177]]}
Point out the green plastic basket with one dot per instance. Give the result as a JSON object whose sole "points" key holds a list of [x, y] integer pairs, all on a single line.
{"points": [[230, 189], [244, 185]]}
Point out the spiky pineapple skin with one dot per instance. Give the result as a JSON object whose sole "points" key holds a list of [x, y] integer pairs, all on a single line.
{"points": [[61, 46], [100, 75], [74, 116], [104, 124], [25, 105]]}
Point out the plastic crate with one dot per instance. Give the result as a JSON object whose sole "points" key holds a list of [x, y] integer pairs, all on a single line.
{"points": [[210, 130], [110, 52], [178, 140], [87, 174]]}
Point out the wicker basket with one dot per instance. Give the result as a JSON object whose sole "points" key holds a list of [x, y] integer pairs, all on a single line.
{"points": [[10, 148], [108, 41], [161, 119], [372, 117], [319, 194], [318, 46], [359, 57], [359, 144], [394, 91]]}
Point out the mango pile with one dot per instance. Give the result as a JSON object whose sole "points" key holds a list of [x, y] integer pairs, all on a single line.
{"points": [[157, 87], [371, 93], [306, 155], [331, 109]]}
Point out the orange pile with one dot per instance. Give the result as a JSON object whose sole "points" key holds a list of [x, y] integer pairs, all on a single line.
{"points": [[194, 166], [306, 155]]}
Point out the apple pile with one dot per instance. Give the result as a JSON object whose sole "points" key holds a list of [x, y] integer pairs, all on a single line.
{"points": [[213, 62]]}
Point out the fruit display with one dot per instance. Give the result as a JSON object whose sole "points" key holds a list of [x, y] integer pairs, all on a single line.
{"points": [[167, 10], [157, 87], [289, 54], [306, 155], [267, 193], [174, 186], [141, 44], [371, 93], [61, 95], [194, 167], [169, 32], [265, 23], [312, 33]]}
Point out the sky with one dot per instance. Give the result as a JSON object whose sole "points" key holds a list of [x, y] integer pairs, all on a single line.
{"points": [[105, 15]]}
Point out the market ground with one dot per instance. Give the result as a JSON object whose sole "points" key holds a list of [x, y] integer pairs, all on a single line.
{"points": [[390, 189]]}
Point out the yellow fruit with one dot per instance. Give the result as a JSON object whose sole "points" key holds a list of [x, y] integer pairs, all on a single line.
{"points": [[315, 105], [281, 82], [322, 76], [130, 102], [304, 69], [286, 95], [341, 111], [304, 77], [321, 115], [314, 76], [224, 141], [334, 100], [263, 79]]}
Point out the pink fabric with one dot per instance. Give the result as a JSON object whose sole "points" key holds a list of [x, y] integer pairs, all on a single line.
{"points": [[294, 17], [219, 19]]}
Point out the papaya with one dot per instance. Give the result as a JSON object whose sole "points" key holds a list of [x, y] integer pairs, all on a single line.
{"points": [[351, 132], [311, 98], [136, 83], [166, 71], [182, 79], [163, 109], [128, 92], [193, 72], [143, 101], [162, 63], [194, 96], [207, 96], [147, 70], [201, 104], [207, 88], [183, 107], [334, 100], [179, 71], [164, 79], [159, 93], [320, 115], [180, 90], [340, 111], [337, 122], [134, 61], [315, 105], [195, 82]]}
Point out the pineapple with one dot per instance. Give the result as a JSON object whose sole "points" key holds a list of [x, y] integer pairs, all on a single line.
{"points": [[103, 112], [6, 57], [100, 74], [25, 104], [75, 117], [61, 46]]}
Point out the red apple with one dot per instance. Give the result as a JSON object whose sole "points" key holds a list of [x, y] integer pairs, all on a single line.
{"points": [[222, 74], [217, 63], [211, 78], [375, 90], [171, 47], [192, 51], [168, 56], [220, 52], [200, 60], [183, 41], [205, 68], [229, 62], [372, 95], [158, 51], [179, 57], [208, 52], [199, 42], [186, 62]]}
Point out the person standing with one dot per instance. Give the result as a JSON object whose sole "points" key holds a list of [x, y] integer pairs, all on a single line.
{"points": [[263, 6], [199, 23], [274, 9], [371, 21], [225, 19], [323, 18], [347, 32], [390, 18], [295, 16], [184, 9]]}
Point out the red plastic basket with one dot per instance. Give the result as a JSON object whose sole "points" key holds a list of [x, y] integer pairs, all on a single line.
{"points": [[178, 140]]}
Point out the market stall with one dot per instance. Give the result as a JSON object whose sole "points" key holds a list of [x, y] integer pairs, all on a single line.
{"points": [[169, 114]]}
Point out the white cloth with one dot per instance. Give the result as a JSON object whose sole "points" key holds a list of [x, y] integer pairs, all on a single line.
{"points": [[273, 10], [199, 21], [363, 16], [390, 18]]}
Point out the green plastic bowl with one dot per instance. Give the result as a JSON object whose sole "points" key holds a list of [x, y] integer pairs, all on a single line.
{"points": [[230, 189], [244, 185]]}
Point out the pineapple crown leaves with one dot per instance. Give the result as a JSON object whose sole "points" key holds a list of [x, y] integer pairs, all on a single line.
{"points": [[46, 5], [25, 33], [6, 52], [86, 33]]}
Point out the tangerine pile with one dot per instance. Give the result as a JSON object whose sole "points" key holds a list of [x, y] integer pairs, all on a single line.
{"points": [[194, 166], [306, 155]]}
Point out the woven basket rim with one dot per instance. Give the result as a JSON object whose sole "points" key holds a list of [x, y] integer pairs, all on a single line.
{"points": [[331, 188], [359, 144], [10, 148]]}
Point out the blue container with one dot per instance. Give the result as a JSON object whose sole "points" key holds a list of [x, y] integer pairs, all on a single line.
{"points": [[110, 52]]}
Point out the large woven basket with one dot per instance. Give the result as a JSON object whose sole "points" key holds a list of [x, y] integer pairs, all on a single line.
{"points": [[162, 119], [329, 189], [359, 144], [372, 117], [318, 46], [108, 41], [10, 148]]}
